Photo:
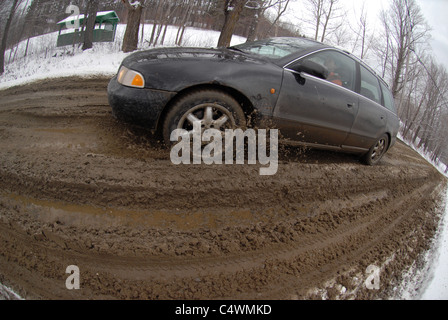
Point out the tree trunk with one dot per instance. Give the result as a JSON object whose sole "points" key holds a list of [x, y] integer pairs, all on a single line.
{"points": [[155, 23], [232, 15], [5, 36], [318, 14], [92, 8], [253, 27], [130, 40], [142, 36], [185, 18], [327, 19]]}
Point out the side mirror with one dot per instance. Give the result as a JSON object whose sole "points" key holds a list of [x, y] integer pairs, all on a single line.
{"points": [[313, 69]]}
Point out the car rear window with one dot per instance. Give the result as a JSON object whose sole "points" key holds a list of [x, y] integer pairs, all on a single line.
{"points": [[388, 98], [370, 87]]}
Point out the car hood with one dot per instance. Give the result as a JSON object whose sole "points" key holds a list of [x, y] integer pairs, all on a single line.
{"points": [[176, 54]]}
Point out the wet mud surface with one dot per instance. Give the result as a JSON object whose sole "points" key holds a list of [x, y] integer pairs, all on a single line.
{"points": [[77, 187]]}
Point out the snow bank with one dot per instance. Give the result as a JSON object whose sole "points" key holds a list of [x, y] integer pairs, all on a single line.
{"points": [[44, 60], [437, 286], [428, 280]]}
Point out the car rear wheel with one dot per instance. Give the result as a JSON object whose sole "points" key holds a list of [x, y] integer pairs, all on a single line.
{"points": [[376, 152], [213, 109]]}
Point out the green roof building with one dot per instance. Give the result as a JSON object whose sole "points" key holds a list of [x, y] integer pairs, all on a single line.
{"points": [[105, 29]]}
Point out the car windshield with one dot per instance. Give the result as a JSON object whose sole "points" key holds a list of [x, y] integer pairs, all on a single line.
{"points": [[275, 48]]}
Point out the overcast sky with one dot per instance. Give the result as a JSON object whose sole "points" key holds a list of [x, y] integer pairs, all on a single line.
{"points": [[435, 12]]}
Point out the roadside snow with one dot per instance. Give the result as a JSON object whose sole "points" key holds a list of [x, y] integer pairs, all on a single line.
{"points": [[431, 281], [428, 280], [7, 294], [437, 287], [44, 60], [82, 64]]}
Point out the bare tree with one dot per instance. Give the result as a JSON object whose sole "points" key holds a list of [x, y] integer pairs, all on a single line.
{"points": [[363, 36], [130, 40], [280, 6], [232, 10], [158, 9], [257, 9], [172, 8], [324, 13], [20, 30], [185, 18], [382, 45], [436, 100], [406, 28], [424, 108], [12, 11], [415, 99]]}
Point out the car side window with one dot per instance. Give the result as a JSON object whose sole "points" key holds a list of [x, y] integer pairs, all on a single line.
{"points": [[388, 98], [370, 87], [339, 68]]}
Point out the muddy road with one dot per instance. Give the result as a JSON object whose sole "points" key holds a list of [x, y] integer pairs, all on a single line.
{"points": [[79, 188]]}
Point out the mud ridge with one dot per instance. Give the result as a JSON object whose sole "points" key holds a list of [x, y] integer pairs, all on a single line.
{"points": [[80, 188]]}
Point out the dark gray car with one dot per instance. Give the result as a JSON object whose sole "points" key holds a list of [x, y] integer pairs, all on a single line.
{"points": [[315, 94]]}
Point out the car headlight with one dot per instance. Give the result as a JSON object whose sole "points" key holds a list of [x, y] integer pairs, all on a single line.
{"points": [[130, 78]]}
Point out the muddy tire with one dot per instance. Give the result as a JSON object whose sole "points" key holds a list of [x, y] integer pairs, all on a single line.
{"points": [[377, 151], [212, 108]]}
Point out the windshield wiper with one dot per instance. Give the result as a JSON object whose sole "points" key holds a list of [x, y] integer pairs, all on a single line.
{"points": [[236, 49]]}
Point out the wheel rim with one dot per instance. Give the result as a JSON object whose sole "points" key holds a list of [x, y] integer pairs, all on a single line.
{"points": [[209, 115], [378, 149]]}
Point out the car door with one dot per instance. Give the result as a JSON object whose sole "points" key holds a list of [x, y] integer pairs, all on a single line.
{"points": [[318, 105], [371, 120]]}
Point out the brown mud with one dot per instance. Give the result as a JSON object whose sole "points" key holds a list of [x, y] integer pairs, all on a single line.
{"points": [[77, 187]]}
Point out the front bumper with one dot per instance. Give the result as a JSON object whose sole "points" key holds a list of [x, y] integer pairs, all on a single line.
{"points": [[137, 106]]}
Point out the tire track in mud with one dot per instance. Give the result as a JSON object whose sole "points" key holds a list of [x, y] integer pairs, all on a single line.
{"points": [[80, 188], [135, 269]]}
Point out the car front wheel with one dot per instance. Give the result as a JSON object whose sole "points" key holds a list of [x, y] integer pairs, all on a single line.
{"points": [[213, 109]]}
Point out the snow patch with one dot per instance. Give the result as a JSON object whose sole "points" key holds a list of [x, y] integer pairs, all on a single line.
{"points": [[7, 294], [437, 286], [429, 280]]}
